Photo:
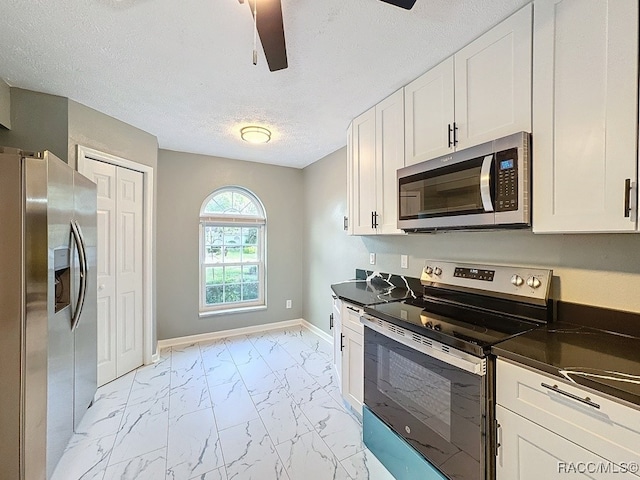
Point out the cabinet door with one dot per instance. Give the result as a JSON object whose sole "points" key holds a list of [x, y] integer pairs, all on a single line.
{"points": [[348, 226], [529, 452], [493, 82], [364, 173], [585, 93], [337, 339], [353, 369], [389, 158], [428, 110]]}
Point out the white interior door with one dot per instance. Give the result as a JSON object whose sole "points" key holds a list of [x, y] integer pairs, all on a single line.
{"points": [[129, 270], [120, 293]]}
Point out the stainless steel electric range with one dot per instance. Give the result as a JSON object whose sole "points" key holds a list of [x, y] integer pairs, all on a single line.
{"points": [[429, 374]]}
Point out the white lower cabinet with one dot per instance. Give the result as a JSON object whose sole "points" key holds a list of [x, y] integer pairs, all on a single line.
{"points": [[335, 324], [552, 429], [349, 354], [353, 369], [530, 452]]}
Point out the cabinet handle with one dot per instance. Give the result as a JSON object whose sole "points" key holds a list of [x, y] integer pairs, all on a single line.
{"points": [[353, 309], [586, 400], [498, 439], [372, 225], [455, 134], [341, 342], [331, 322], [345, 223], [450, 131], [375, 219], [627, 197]]}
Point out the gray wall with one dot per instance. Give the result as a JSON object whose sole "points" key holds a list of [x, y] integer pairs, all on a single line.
{"points": [[184, 181], [5, 105], [92, 129], [38, 122], [602, 270]]}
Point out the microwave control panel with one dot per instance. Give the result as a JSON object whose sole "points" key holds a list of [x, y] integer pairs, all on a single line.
{"points": [[506, 180]]}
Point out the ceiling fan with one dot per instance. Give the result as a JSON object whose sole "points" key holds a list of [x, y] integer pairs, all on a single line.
{"points": [[269, 26]]}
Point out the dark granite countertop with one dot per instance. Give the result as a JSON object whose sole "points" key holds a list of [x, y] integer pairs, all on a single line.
{"points": [[606, 361], [371, 288]]}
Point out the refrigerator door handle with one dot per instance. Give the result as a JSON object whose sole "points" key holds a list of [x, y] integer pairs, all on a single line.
{"points": [[82, 256]]}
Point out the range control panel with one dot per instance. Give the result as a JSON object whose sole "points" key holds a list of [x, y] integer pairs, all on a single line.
{"points": [[522, 283]]}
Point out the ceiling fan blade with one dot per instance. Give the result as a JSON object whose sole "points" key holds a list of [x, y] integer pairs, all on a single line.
{"points": [[271, 32], [408, 4]]}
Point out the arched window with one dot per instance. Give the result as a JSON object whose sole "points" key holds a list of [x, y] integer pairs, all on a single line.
{"points": [[232, 251]]}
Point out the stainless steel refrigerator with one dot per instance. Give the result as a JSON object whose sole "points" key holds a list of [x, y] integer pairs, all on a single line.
{"points": [[48, 311]]}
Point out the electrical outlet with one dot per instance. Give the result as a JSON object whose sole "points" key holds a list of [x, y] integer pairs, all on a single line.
{"points": [[288, 303], [372, 258], [404, 261]]}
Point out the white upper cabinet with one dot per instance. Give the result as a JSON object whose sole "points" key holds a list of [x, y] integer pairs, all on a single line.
{"points": [[389, 158], [585, 118], [493, 82], [348, 220], [428, 114], [375, 147], [481, 93], [363, 173]]}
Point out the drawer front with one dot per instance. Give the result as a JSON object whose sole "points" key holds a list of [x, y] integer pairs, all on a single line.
{"points": [[605, 427], [351, 317]]}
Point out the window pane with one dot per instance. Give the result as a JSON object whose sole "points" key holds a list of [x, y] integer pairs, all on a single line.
{"points": [[213, 235], [214, 275], [232, 275], [249, 236], [240, 201], [250, 209], [232, 254], [249, 253], [232, 236], [213, 254], [250, 291], [212, 244], [232, 293], [249, 273], [214, 295]]}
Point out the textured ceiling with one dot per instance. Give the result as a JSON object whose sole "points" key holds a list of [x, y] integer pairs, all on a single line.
{"points": [[182, 70]]}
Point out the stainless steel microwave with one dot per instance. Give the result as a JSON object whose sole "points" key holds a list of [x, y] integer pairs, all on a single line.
{"points": [[486, 186]]}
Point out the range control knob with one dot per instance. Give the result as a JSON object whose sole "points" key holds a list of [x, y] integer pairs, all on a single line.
{"points": [[437, 327], [428, 270], [429, 325], [437, 271], [533, 282], [517, 280]]}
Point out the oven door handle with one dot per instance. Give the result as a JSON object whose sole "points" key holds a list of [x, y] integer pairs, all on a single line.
{"points": [[462, 360], [485, 183]]}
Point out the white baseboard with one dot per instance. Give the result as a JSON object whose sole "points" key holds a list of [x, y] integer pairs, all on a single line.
{"points": [[155, 357], [318, 331], [203, 337]]}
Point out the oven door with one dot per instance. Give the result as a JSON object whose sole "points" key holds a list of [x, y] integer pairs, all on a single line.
{"points": [[437, 406]]}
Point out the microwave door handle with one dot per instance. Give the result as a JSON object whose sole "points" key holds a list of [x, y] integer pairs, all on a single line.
{"points": [[485, 183]]}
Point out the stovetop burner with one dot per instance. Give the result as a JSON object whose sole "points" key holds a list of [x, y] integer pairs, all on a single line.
{"points": [[467, 308]]}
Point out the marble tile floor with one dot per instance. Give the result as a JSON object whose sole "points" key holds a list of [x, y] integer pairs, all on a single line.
{"points": [[251, 407]]}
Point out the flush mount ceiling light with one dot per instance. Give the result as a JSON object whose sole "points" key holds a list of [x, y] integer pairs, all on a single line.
{"points": [[255, 134]]}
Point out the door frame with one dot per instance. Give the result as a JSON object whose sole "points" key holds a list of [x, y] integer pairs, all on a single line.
{"points": [[85, 153]]}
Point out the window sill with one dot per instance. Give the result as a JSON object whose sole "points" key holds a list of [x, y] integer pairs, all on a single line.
{"points": [[229, 311]]}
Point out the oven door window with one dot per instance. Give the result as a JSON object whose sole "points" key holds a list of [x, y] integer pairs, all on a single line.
{"points": [[436, 407], [446, 191]]}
